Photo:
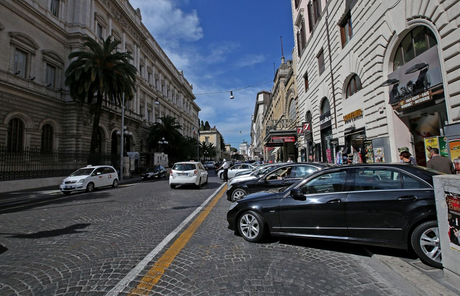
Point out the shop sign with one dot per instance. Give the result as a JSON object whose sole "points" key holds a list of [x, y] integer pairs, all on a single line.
{"points": [[306, 127], [416, 100], [288, 139], [353, 115], [325, 119], [415, 77], [299, 130]]}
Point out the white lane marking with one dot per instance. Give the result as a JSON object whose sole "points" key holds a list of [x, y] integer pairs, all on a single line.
{"points": [[143, 263]]}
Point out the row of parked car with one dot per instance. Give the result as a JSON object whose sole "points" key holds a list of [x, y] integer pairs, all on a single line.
{"points": [[389, 205]]}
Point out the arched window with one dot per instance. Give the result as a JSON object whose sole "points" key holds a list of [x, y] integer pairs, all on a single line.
{"points": [[325, 106], [115, 147], [354, 85], [292, 110], [414, 43], [15, 140], [47, 138]]}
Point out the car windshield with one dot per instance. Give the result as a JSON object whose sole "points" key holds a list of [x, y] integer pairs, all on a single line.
{"points": [[153, 169], [82, 172], [184, 167]]}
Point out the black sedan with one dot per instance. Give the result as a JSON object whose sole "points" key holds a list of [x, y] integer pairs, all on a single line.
{"points": [[154, 172], [389, 205], [283, 176]]}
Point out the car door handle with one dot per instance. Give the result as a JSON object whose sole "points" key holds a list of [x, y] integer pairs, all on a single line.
{"points": [[335, 201], [408, 198]]}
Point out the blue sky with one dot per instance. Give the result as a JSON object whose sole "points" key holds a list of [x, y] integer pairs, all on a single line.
{"points": [[223, 45]]}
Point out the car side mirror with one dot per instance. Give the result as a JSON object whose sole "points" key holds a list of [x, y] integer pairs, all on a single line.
{"points": [[298, 195]]}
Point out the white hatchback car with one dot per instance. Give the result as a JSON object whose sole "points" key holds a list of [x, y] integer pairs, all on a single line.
{"points": [[90, 178], [188, 173]]}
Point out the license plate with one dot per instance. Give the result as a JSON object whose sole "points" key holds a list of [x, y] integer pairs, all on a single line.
{"points": [[182, 174]]}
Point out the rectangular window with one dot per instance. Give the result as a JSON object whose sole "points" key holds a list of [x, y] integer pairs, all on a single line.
{"points": [[305, 79], [314, 13], [346, 30], [149, 115], [54, 8], [50, 76], [321, 66], [99, 31], [20, 63]]}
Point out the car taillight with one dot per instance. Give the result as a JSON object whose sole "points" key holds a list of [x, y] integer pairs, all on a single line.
{"points": [[195, 172]]}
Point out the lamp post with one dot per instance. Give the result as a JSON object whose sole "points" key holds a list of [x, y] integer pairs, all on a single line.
{"points": [[163, 142], [122, 139]]}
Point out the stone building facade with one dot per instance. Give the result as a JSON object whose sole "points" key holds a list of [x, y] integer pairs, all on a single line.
{"points": [[280, 117], [375, 76], [36, 110]]}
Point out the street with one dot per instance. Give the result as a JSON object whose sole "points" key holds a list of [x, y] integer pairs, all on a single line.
{"points": [[145, 238]]}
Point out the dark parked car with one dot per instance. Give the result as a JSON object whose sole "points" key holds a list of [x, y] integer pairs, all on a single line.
{"points": [[283, 176], [154, 172], [389, 205]]}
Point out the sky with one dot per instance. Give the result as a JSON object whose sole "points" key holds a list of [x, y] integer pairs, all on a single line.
{"points": [[223, 46]]}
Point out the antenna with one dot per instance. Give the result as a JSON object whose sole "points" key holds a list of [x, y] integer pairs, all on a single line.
{"points": [[282, 52]]}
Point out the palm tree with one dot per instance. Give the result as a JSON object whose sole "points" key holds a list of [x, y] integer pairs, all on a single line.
{"points": [[99, 72], [169, 129], [207, 150]]}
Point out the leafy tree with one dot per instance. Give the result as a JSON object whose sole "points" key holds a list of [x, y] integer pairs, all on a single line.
{"points": [[169, 129], [98, 72], [209, 148]]}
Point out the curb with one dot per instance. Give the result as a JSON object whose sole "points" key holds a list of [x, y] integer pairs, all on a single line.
{"points": [[410, 273]]}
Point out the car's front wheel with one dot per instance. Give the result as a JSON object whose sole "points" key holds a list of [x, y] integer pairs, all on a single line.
{"points": [[425, 241], [251, 226], [90, 187], [238, 194]]}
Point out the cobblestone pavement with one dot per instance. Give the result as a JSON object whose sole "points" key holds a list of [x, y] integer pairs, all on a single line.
{"points": [[88, 243]]}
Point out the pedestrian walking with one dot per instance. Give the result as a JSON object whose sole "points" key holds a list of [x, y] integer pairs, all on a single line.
{"points": [[440, 163], [225, 166], [406, 157]]}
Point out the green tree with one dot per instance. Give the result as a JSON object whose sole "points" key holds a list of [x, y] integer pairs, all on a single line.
{"points": [[169, 129], [99, 72], [207, 150]]}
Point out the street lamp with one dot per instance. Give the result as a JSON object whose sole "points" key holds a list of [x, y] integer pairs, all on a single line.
{"points": [[122, 139], [124, 131], [163, 142]]}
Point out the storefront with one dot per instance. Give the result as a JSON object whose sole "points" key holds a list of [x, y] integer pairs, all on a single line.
{"points": [[328, 144], [283, 143], [416, 91]]}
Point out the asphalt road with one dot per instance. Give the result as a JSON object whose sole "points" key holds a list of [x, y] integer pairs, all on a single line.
{"points": [[147, 239]]}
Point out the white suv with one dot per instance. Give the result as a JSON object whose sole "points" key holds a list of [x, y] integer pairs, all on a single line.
{"points": [[188, 173], [90, 178]]}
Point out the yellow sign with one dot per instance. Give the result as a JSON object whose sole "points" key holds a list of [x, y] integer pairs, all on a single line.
{"points": [[353, 115], [430, 143]]}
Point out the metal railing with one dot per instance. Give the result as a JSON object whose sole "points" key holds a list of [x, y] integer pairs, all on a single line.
{"points": [[31, 163]]}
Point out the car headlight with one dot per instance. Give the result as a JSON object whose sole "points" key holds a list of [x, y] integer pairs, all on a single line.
{"points": [[233, 205], [81, 181]]}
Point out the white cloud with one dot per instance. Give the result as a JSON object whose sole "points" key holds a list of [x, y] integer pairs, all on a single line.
{"points": [[167, 23], [250, 60]]}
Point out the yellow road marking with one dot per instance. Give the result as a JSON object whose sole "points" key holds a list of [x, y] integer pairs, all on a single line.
{"points": [[152, 277]]}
